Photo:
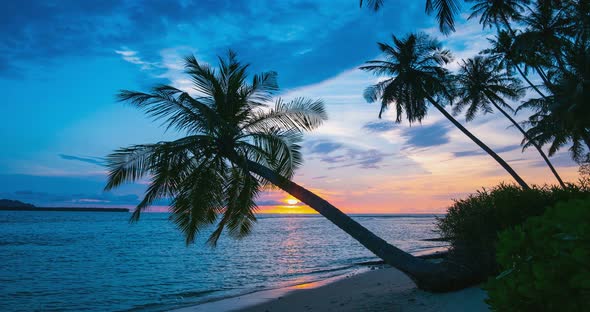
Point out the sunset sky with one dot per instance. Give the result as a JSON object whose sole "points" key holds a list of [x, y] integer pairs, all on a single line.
{"points": [[62, 62]]}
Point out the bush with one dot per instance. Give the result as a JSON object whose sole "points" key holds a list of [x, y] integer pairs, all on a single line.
{"points": [[472, 224], [546, 262]]}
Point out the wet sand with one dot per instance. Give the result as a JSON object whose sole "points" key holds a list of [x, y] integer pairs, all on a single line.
{"points": [[378, 290]]}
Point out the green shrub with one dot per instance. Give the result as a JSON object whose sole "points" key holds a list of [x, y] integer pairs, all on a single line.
{"points": [[545, 262], [472, 224]]}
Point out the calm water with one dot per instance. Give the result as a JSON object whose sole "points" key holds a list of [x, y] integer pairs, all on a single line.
{"points": [[71, 261]]}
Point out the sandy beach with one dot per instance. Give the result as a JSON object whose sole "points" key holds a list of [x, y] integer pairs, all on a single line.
{"points": [[378, 290]]}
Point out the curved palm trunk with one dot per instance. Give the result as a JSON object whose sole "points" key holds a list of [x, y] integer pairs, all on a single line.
{"points": [[523, 75], [537, 68], [477, 141], [427, 275], [545, 158]]}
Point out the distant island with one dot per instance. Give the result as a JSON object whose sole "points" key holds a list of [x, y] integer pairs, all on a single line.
{"points": [[15, 205]]}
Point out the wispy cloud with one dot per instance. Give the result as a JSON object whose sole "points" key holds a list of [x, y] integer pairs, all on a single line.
{"points": [[427, 135], [508, 148], [133, 58], [340, 155], [380, 126], [91, 160]]}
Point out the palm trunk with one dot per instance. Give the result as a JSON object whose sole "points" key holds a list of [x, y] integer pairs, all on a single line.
{"points": [[586, 137], [427, 275], [545, 158], [523, 75], [477, 141]]}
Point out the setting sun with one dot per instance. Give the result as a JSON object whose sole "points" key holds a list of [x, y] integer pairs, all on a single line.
{"points": [[292, 201]]}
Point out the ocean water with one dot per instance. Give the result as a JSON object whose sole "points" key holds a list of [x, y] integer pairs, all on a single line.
{"points": [[73, 261]]}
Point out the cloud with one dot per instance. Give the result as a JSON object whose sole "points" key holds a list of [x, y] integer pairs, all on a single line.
{"points": [[477, 152], [380, 126], [427, 136], [339, 155], [324, 147], [272, 35], [91, 160], [133, 58], [269, 202], [559, 160]]}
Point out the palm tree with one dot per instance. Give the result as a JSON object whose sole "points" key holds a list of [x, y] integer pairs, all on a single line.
{"points": [[500, 13], [502, 50], [497, 12], [557, 131], [445, 11], [234, 145], [543, 35], [415, 62], [481, 84], [563, 117]]}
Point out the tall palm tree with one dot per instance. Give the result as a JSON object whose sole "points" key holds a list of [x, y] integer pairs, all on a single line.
{"points": [[235, 144], [481, 85], [500, 13], [502, 50], [418, 78], [445, 11]]}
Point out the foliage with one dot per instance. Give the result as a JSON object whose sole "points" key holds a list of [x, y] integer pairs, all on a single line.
{"points": [[545, 262], [481, 85], [551, 40], [414, 65], [416, 78], [472, 224], [228, 122]]}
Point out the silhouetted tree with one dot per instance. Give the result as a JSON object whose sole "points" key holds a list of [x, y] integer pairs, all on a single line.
{"points": [[234, 144], [481, 85], [417, 77]]}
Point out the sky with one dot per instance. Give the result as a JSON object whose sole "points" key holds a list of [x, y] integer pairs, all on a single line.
{"points": [[62, 62]]}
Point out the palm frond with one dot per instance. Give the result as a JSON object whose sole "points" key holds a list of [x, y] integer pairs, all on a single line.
{"points": [[445, 11], [200, 200], [238, 217], [163, 103], [282, 148], [375, 5], [130, 164], [300, 114]]}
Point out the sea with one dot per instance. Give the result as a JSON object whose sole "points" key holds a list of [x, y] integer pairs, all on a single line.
{"points": [[98, 261]]}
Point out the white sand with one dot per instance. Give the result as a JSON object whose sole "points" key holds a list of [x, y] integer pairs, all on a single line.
{"points": [[378, 290]]}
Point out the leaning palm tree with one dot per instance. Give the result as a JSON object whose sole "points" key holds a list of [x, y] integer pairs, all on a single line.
{"points": [[234, 145], [481, 85], [500, 13], [503, 51], [416, 64]]}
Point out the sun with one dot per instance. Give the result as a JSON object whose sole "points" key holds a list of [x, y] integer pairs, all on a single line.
{"points": [[292, 201]]}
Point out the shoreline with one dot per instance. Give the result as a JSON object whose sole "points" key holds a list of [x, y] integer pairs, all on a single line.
{"points": [[375, 287], [383, 289], [256, 297]]}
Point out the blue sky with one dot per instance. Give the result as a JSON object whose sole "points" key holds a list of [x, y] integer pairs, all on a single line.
{"points": [[62, 62]]}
